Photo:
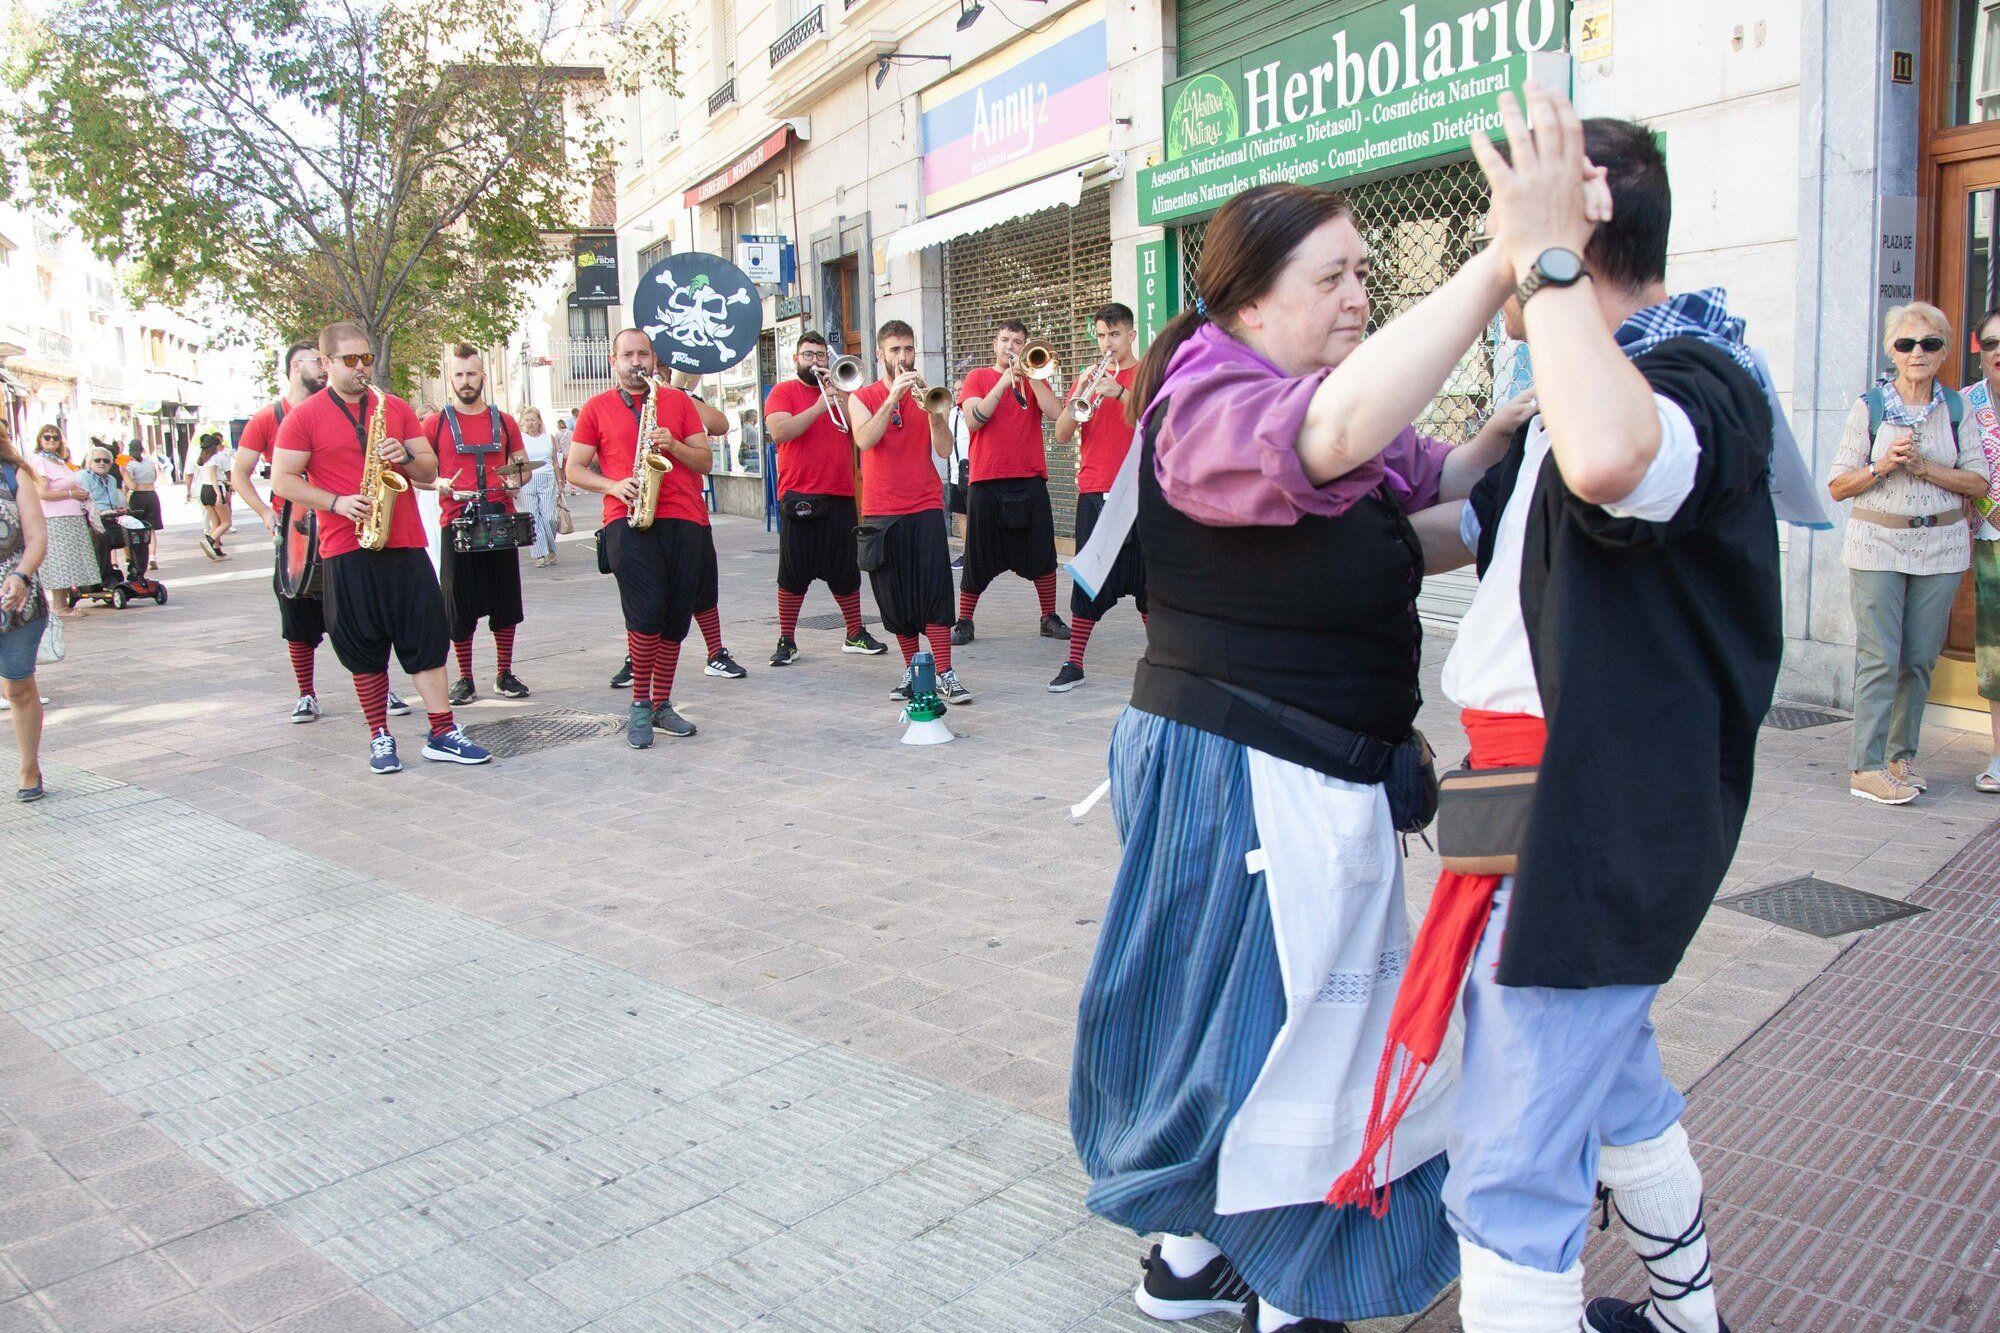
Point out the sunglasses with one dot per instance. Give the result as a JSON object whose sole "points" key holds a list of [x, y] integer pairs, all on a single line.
{"points": [[1989, 344], [354, 359], [1930, 344]]}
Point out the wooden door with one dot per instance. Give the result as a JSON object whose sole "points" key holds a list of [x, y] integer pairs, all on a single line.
{"points": [[1968, 270]]}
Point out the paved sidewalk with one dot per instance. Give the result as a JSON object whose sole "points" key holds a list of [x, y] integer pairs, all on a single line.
{"points": [[768, 1025]]}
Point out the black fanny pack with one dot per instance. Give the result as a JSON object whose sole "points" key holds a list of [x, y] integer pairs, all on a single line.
{"points": [[1407, 771], [871, 542], [796, 505]]}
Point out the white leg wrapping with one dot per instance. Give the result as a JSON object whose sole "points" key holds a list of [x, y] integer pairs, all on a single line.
{"points": [[1496, 1295], [1270, 1319], [1187, 1255], [1656, 1196]]}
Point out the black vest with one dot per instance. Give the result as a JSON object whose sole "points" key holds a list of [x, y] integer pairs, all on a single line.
{"points": [[1320, 615]]}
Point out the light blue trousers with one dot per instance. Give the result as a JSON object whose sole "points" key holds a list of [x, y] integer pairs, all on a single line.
{"points": [[1550, 1077], [538, 497]]}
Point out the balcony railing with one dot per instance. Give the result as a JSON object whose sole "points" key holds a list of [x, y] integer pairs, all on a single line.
{"points": [[580, 368], [814, 22], [722, 97]]}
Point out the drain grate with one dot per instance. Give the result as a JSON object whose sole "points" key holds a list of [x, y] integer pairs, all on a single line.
{"points": [[1797, 717], [1819, 907], [542, 731], [831, 620]]}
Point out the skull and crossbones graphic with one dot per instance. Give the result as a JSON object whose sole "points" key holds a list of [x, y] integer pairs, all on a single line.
{"points": [[697, 315]]}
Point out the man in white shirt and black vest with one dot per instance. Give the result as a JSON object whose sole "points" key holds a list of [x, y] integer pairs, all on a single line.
{"points": [[1626, 638]]}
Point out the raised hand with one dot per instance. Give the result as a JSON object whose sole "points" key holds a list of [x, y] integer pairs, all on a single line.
{"points": [[1546, 193]]}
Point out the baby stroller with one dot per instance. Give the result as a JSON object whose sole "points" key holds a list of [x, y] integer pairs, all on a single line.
{"points": [[122, 530]]}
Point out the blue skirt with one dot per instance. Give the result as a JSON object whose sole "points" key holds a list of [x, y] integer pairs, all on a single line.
{"points": [[1181, 1006]]}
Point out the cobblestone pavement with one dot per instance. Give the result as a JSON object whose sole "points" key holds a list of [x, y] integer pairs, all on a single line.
{"points": [[765, 1028]]}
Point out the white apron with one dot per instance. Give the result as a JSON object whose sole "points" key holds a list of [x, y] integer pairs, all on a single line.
{"points": [[1333, 874]]}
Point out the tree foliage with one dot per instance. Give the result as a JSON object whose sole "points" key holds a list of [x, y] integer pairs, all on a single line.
{"points": [[408, 166]]}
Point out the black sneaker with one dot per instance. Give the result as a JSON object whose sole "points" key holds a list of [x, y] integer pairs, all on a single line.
{"points": [[1216, 1289], [1067, 679], [902, 691], [667, 720], [864, 642], [950, 690], [623, 679], [397, 708], [961, 633], [639, 726], [720, 663], [788, 653], [1608, 1314], [1053, 627], [461, 692], [508, 686], [1252, 1323]]}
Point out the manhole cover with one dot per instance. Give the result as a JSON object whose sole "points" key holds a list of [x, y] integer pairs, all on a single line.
{"points": [[1819, 907], [542, 731], [1794, 717], [831, 620]]}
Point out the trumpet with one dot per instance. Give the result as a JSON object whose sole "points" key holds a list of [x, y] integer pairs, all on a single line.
{"points": [[1089, 388], [933, 398], [1038, 361], [845, 375]]}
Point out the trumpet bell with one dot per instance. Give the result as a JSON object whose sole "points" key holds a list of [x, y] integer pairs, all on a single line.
{"points": [[1038, 360], [847, 374], [936, 399], [1082, 410]]}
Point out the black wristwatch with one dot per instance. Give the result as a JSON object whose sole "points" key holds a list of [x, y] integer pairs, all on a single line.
{"points": [[1554, 267]]}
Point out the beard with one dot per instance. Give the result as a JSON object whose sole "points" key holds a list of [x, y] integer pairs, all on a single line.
{"points": [[810, 375], [470, 393]]}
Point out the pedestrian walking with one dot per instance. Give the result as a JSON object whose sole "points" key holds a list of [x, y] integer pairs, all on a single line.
{"points": [[1910, 460], [142, 480], [208, 475], [71, 561], [539, 494], [23, 614]]}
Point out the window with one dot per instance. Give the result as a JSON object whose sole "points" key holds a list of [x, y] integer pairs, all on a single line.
{"points": [[724, 28], [1975, 63]]}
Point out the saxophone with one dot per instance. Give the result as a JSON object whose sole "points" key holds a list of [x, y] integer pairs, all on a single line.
{"points": [[379, 486], [649, 465]]}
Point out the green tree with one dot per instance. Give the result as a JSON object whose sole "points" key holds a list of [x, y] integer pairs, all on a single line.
{"points": [[406, 166]]}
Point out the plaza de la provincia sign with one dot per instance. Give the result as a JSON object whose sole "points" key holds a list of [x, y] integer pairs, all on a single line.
{"points": [[1382, 87]]}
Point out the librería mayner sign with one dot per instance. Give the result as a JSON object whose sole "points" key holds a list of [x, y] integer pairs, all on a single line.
{"points": [[1383, 86]]}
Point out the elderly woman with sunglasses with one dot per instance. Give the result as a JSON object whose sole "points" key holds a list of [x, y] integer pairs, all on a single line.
{"points": [[1909, 460]]}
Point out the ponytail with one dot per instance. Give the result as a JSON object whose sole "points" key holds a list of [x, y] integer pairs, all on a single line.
{"points": [[1153, 370], [8, 453]]}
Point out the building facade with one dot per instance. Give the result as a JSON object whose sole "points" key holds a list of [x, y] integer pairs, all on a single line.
{"points": [[954, 165]]}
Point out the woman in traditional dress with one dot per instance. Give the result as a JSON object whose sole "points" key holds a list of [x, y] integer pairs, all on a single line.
{"points": [[1234, 1015]]}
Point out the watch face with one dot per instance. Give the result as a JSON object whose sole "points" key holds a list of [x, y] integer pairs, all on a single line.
{"points": [[1560, 267]]}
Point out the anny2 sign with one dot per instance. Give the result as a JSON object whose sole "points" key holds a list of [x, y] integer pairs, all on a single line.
{"points": [[1383, 86]]}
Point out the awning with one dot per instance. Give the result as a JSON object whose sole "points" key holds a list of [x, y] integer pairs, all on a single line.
{"points": [[742, 168], [1061, 190], [11, 385]]}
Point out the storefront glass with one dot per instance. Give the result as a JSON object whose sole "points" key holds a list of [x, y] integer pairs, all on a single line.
{"points": [[1974, 93]]}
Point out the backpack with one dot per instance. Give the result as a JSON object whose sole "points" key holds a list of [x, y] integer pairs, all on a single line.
{"points": [[1954, 403]]}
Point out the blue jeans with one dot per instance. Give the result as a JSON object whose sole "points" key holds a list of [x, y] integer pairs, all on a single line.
{"points": [[1550, 1077], [18, 645]]}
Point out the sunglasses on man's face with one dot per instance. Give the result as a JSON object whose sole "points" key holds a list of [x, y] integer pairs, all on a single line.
{"points": [[353, 359], [1930, 344]]}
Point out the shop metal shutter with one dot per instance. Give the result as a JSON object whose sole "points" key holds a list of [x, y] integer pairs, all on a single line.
{"points": [[1419, 228], [1050, 270], [1212, 31]]}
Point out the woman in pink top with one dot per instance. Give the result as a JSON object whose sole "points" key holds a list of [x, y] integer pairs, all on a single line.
{"points": [[72, 558]]}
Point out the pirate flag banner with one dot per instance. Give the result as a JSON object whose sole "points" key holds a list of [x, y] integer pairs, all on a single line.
{"points": [[702, 312]]}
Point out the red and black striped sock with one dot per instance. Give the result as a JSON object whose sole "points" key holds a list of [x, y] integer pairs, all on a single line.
{"points": [[302, 665], [968, 602], [463, 647], [940, 637], [788, 613], [503, 648], [1145, 619], [1045, 592], [665, 664], [711, 629], [1079, 638], [373, 692], [908, 643], [644, 650], [441, 722], [850, 611]]}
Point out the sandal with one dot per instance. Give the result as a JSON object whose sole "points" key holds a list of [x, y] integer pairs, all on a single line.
{"points": [[1989, 781]]}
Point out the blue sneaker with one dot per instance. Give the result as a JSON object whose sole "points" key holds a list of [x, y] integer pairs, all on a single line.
{"points": [[382, 755], [453, 747]]}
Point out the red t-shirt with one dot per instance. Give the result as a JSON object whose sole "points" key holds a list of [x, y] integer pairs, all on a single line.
{"points": [[609, 423], [326, 428], [819, 462], [262, 430], [1101, 442], [462, 470], [1010, 445], [898, 475]]}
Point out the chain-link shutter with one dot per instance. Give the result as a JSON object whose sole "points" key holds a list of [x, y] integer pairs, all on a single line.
{"points": [[1050, 270], [1419, 230]]}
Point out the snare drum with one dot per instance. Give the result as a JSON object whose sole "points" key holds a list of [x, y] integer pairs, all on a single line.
{"points": [[488, 527]]}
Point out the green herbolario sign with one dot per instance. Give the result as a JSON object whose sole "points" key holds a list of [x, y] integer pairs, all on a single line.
{"points": [[1159, 288], [1384, 86]]}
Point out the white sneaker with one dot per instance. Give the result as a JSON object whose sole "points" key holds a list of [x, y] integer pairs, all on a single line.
{"points": [[307, 709]]}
